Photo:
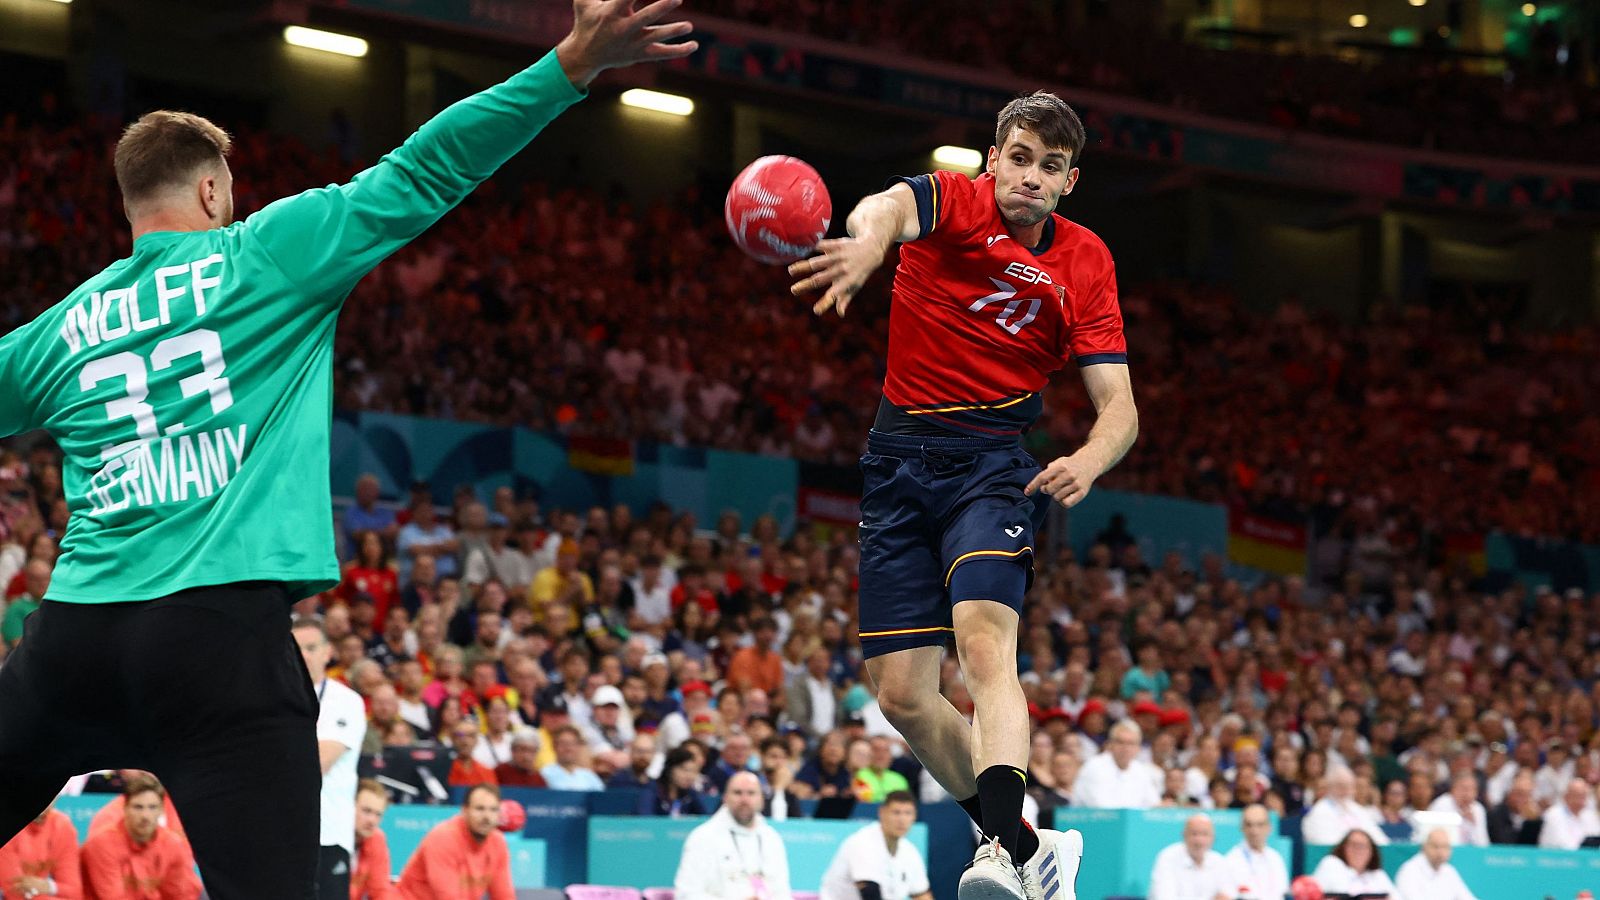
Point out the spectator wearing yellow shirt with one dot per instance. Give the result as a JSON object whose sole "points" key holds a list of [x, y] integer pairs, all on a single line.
{"points": [[561, 583]]}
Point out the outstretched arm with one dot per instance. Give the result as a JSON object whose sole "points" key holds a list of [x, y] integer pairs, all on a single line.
{"points": [[1069, 478], [324, 240], [844, 264]]}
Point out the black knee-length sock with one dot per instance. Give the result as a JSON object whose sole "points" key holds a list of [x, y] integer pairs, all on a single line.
{"points": [[1000, 793]]}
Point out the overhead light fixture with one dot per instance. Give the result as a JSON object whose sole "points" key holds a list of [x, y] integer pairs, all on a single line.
{"points": [[326, 41], [1358, 21], [1418, 2], [656, 101], [959, 157], [63, 1], [1528, 9]]}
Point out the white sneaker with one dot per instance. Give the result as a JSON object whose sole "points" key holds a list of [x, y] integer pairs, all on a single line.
{"points": [[991, 876], [1052, 874]]}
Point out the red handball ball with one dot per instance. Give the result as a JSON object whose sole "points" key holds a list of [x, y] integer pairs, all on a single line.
{"points": [[778, 209], [1305, 888], [512, 816]]}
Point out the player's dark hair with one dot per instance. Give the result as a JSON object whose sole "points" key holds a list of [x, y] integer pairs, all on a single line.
{"points": [[492, 789], [164, 150], [140, 784], [899, 797], [1048, 117]]}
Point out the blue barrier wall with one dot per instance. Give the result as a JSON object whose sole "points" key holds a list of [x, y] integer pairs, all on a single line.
{"points": [[644, 851]]}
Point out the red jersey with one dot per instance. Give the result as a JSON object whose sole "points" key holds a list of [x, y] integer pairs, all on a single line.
{"points": [[979, 322]]}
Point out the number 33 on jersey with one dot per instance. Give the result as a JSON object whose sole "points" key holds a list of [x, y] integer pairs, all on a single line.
{"points": [[979, 322]]}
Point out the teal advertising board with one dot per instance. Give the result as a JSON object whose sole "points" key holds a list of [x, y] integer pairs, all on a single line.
{"points": [[1122, 844], [1502, 870], [643, 852]]}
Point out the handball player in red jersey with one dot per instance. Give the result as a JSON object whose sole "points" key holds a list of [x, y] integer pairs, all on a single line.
{"points": [[993, 293]]}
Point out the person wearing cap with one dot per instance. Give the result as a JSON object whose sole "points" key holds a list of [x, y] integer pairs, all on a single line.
{"points": [[42, 860], [736, 854], [523, 768], [607, 730], [1092, 721], [678, 726], [1115, 778], [562, 582], [658, 702], [568, 772], [463, 857], [1255, 865], [139, 860], [1429, 875]]}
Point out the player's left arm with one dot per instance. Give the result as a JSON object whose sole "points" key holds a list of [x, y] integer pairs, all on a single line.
{"points": [[16, 414], [1098, 345]]}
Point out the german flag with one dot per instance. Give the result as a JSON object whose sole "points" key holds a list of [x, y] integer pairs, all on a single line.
{"points": [[601, 456], [1265, 543]]}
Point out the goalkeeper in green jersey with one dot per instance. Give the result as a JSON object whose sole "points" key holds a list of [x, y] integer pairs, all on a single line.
{"points": [[190, 388]]}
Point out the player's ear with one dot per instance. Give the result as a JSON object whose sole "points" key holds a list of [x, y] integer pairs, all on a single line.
{"points": [[1072, 180], [994, 160]]}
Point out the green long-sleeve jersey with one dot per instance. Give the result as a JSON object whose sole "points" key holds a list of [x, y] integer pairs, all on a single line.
{"points": [[190, 385]]}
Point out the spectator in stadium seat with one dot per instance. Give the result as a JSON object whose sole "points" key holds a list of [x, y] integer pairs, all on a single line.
{"points": [[877, 780], [1337, 812], [777, 770], [410, 681], [420, 584], [110, 815], [736, 854], [652, 594], [812, 703], [449, 677], [562, 583], [675, 792], [383, 711], [1568, 822], [879, 862], [494, 745], [1516, 819], [825, 774], [42, 860], [371, 877], [1116, 778], [1429, 875], [1148, 676], [1191, 869], [641, 770], [607, 732], [464, 856], [466, 771], [568, 772], [426, 535], [365, 515], [523, 768], [1394, 813], [677, 727], [139, 859], [372, 573], [758, 666], [1355, 867], [36, 581], [1462, 800]]}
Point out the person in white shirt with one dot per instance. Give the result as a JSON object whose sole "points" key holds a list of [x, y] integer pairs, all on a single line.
{"points": [[878, 862], [734, 855], [1429, 875], [1253, 864], [1115, 778], [1355, 867], [1463, 801], [1568, 822], [341, 727], [1550, 782], [1190, 869], [652, 592], [1337, 813]]}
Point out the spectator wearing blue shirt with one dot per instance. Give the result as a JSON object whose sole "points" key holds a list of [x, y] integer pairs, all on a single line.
{"points": [[425, 535], [568, 773], [1147, 675], [366, 515]]}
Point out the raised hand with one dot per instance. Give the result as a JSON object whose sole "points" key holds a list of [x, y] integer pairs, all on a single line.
{"points": [[609, 34]]}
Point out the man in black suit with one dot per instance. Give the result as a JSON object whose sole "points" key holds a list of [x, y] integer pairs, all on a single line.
{"points": [[1516, 819]]}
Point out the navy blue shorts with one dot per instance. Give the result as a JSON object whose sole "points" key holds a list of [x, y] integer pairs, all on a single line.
{"points": [[942, 520]]}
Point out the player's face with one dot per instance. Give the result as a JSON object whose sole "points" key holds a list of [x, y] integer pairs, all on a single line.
{"points": [[1029, 178], [483, 814], [897, 818], [369, 813], [142, 813]]}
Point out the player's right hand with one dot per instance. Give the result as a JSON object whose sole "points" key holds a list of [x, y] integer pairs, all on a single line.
{"points": [[841, 267], [608, 34]]}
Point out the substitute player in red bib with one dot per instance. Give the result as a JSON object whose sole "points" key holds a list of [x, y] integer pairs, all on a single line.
{"points": [[994, 292]]}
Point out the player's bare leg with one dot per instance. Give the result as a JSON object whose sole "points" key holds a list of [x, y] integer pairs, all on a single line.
{"points": [[941, 738], [986, 643]]}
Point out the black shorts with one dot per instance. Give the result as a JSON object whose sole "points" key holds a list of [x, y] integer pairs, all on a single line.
{"points": [[942, 520], [207, 690]]}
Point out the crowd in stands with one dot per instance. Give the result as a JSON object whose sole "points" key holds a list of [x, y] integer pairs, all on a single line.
{"points": [[1541, 107], [1479, 426]]}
